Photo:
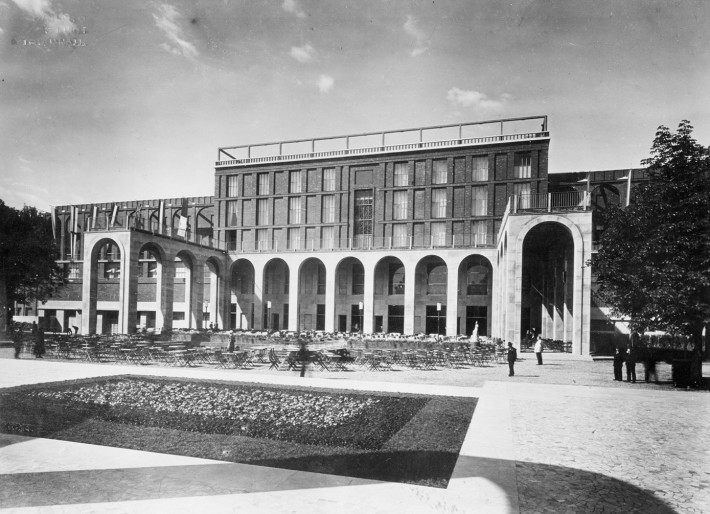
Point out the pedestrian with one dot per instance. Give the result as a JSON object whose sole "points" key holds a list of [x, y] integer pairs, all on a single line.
{"points": [[39, 343], [538, 350], [650, 367], [17, 342], [630, 360], [512, 357], [232, 340], [618, 365]]}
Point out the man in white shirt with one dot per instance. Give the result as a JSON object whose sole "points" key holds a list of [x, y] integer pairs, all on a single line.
{"points": [[538, 350]]}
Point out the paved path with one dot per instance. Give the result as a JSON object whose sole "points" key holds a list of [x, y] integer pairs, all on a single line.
{"points": [[531, 447]]}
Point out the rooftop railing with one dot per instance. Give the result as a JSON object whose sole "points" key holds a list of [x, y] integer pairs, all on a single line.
{"points": [[549, 202], [404, 140]]}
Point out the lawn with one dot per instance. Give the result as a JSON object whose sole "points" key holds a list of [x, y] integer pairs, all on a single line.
{"points": [[401, 438]]}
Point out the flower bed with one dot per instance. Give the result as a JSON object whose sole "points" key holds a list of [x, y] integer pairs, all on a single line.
{"points": [[326, 418]]}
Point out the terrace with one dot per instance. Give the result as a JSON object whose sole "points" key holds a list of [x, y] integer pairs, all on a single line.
{"points": [[402, 140]]}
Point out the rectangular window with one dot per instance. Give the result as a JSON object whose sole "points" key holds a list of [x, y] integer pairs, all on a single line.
{"points": [[294, 239], [479, 167], [327, 238], [180, 269], [401, 173], [232, 208], [522, 191], [479, 232], [480, 201], [178, 316], [400, 205], [439, 172], [328, 209], [523, 165], [232, 185], [438, 234], [262, 239], [295, 182], [263, 184], [358, 274], [262, 213], [438, 203], [329, 179], [321, 280], [294, 210], [363, 212], [399, 235]]}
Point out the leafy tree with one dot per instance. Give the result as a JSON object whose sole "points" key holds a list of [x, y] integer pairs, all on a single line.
{"points": [[28, 254], [653, 264]]}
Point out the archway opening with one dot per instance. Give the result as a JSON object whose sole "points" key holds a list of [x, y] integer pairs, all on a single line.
{"points": [[241, 311], [389, 295], [350, 295], [430, 304], [475, 295], [311, 295], [276, 293]]}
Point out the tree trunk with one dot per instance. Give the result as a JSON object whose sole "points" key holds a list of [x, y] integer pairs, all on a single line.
{"points": [[696, 359]]}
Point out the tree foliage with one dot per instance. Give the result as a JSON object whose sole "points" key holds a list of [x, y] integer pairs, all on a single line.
{"points": [[653, 264], [28, 255]]}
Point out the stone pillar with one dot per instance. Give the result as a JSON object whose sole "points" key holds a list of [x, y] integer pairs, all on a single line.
{"points": [[330, 269], [368, 298], [452, 300], [410, 277], [293, 313], [259, 303]]}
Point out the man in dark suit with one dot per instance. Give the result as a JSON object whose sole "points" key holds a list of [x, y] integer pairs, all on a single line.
{"points": [[512, 357]]}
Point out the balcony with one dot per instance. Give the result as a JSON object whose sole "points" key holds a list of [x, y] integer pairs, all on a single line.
{"points": [[362, 243], [550, 202], [404, 140], [153, 227]]}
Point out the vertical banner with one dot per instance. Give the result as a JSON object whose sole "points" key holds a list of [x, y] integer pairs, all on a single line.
{"points": [[182, 228], [114, 213], [161, 216], [94, 215], [137, 219], [54, 222], [628, 187]]}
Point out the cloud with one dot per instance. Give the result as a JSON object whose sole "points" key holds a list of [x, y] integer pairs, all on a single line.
{"points": [[56, 23], [470, 98], [167, 20], [421, 41], [325, 83], [293, 7], [305, 53]]}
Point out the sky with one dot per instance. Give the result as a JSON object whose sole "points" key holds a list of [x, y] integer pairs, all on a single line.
{"points": [[108, 100]]}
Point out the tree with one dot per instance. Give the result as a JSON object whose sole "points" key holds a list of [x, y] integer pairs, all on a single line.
{"points": [[653, 264], [28, 259]]}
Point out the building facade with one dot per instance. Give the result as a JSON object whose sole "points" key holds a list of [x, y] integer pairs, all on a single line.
{"points": [[426, 230]]}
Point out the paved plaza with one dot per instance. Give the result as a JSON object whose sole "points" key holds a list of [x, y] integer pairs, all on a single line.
{"points": [[562, 437]]}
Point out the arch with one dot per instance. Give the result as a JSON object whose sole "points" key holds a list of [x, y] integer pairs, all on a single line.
{"points": [[311, 294], [211, 285], [431, 280], [107, 260], [184, 315], [241, 310], [475, 293], [151, 302], [390, 277], [550, 251], [349, 295], [276, 294]]}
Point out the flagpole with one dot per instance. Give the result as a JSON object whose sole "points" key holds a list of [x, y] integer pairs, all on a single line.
{"points": [[628, 188]]}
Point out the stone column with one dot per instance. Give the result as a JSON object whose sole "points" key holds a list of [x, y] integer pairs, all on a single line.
{"points": [[410, 277]]}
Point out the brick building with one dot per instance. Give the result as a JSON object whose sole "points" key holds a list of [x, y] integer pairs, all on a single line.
{"points": [[425, 230]]}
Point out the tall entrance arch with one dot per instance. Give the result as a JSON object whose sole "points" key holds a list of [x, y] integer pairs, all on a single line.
{"points": [[475, 291], [547, 306], [389, 295], [276, 293], [349, 295], [311, 295], [431, 287], [241, 312]]}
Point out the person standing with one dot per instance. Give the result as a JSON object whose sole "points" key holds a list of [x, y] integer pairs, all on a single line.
{"points": [[39, 343], [512, 357], [618, 365], [630, 365], [538, 350]]}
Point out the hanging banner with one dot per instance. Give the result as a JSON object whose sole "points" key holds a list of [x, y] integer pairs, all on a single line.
{"points": [[182, 227]]}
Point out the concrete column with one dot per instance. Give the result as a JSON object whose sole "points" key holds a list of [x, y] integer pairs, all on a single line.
{"points": [[452, 300], [369, 298], [259, 303], [128, 284], [330, 296], [293, 277], [89, 288], [410, 277], [164, 295]]}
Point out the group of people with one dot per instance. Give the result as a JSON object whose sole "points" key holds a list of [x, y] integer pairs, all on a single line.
{"points": [[629, 357], [38, 338], [512, 355]]}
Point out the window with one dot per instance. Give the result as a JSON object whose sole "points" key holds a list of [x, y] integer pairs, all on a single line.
{"points": [[436, 278], [113, 270], [262, 212], [74, 270], [363, 212], [294, 239], [294, 210], [262, 183], [400, 205], [232, 207], [438, 234], [477, 280], [320, 316], [180, 269], [396, 279], [358, 278], [327, 238], [401, 173], [329, 179], [522, 191], [262, 239], [523, 165], [399, 235], [321, 279], [439, 172], [480, 201], [232, 185], [178, 316], [479, 167], [479, 232], [295, 182], [328, 209], [438, 203]]}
